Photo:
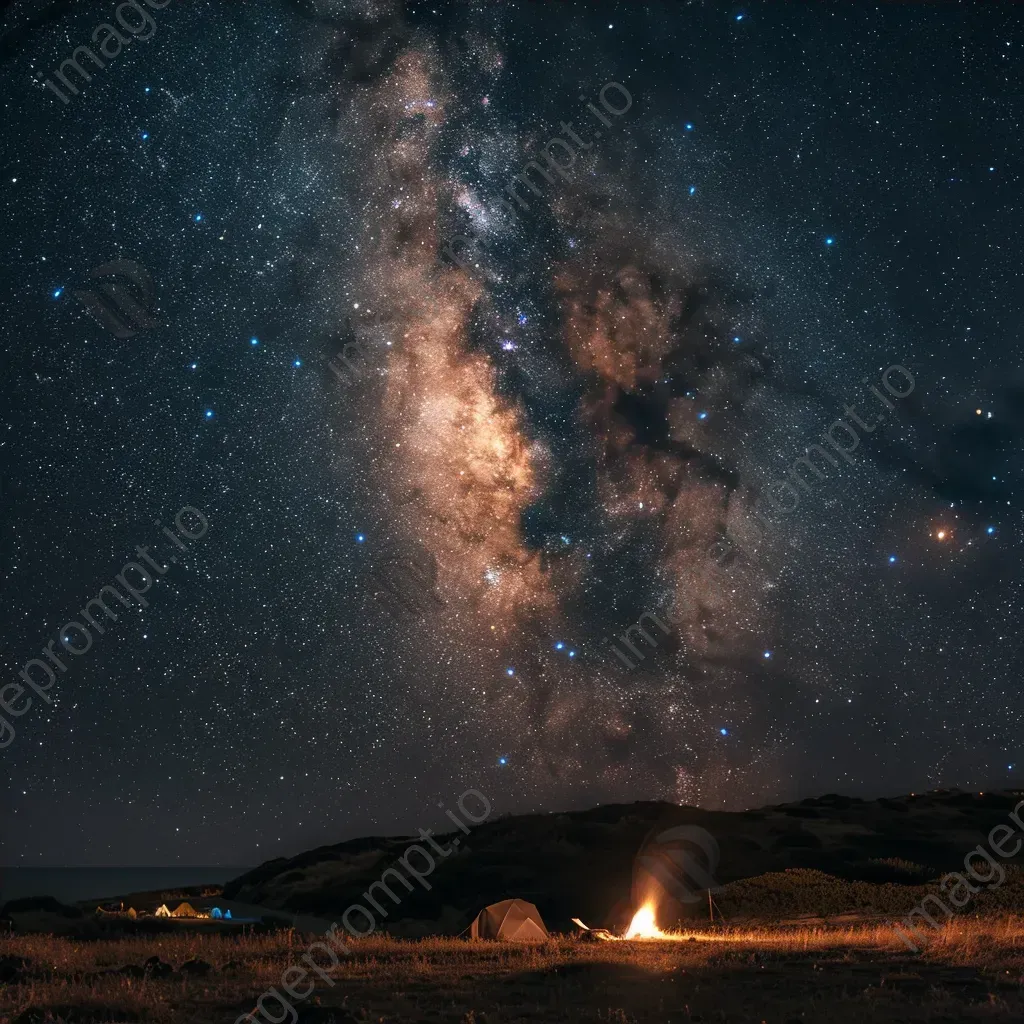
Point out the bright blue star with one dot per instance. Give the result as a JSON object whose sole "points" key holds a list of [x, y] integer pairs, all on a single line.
{"points": [[892, 559], [502, 760], [572, 654], [193, 366], [298, 362], [254, 341], [521, 318], [991, 168], [198, 217], [693, 188], [208, 414], [990, 530], [58, 293], [724, 732], [767, 654], [145, 135], [702, 415], [689, 126], [147, 88], [559, 645], [739, 17], [736, 340], [510, 671], [360, 538], [830, 240]]}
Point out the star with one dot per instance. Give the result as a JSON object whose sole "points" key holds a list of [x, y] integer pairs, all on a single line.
{"points": [[254, 341], [208, 414], [892, 559]]}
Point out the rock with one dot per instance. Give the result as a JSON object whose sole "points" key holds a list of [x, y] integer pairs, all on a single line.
{"points": [[325, 1015], [196, 968], [12, 969], [156, 968]]}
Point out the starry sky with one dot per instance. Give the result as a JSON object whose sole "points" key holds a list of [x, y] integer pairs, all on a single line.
{"points": [[570, 427]]}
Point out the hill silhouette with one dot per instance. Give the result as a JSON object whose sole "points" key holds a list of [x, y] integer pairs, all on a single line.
{"points": [[832, 854]]}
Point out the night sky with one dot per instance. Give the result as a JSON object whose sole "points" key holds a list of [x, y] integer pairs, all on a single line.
{"points": [[571, 428]]}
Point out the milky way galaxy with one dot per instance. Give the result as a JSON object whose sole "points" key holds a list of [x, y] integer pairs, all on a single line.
{"points": [[548, 304]]}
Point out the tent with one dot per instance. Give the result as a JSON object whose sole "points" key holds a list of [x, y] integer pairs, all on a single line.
{"points": [[184, 910], [162, 911], [511, 920]]}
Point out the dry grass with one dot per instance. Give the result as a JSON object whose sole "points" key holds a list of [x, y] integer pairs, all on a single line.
{"points": [[971, 971]]}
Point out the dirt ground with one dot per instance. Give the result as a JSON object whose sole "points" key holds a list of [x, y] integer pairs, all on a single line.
{"points": [[972, 971]]}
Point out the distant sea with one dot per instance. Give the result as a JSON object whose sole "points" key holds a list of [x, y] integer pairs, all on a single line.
{"points": [[72, 884]]}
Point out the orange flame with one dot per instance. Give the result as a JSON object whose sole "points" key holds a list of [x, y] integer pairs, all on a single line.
{"points": [[645, 925]]}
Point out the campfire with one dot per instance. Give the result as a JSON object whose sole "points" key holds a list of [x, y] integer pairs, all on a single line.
{"points": [[643, 926]]}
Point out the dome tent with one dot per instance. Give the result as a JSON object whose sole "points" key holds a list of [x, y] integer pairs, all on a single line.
{"points": [[511, 920]]}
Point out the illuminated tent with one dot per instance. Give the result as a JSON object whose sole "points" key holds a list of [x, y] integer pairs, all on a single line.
{"points": [[511, 920], [184, 910], [162, 911], [217, 914]]}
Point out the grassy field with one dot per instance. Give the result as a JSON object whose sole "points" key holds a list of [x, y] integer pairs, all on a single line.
{"points": [[971, 971]]}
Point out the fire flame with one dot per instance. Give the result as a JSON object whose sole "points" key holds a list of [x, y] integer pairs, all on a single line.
{"points": [[644, 925]]}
